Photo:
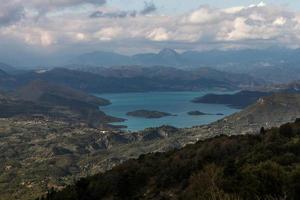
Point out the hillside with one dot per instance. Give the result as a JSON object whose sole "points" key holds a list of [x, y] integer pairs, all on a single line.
{"points": [[116, 81], [40, 91], [171, 73], [47, 100], [237, 100], [241, 167], [6, 81], [7, 68], [68, 151]]}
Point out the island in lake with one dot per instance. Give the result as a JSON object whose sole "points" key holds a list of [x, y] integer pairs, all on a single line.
{"points": [[198, 113], [149, 114]]}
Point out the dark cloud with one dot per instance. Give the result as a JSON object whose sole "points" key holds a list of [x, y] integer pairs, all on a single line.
{"points": [[150, 7], [96, 1], [118, 14], [65, 3], [10, 13]]}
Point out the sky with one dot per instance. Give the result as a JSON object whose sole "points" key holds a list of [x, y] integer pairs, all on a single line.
{"points": [[179, 6], [71, 27]]}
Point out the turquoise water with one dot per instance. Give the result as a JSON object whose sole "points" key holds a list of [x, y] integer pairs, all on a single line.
{"points": [[178, 103]]}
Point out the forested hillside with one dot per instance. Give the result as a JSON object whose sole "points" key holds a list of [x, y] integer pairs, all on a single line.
{"points": [[264, 166]]}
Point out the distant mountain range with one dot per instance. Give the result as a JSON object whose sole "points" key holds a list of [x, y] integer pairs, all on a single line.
{"points": [[134, 79], [273, 65], [170, 57]]}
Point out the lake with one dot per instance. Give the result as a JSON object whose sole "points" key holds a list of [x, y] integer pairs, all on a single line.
{"points": [[177, 103]]}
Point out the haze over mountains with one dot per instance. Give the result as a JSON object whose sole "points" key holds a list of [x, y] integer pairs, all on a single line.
{"points": [[133, 79], [152, 99], [170, 57], [274, 65]]}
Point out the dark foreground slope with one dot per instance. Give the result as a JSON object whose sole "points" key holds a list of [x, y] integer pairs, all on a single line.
{"points": [[265, 166]]}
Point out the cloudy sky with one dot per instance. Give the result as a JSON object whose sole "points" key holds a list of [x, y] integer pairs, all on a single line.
{"points": [[132, 26]]}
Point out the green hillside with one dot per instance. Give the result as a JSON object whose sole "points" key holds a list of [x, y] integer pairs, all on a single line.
{"points": [[265, 166]]}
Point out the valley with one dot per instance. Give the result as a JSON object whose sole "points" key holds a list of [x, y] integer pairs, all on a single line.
{"points": [[149, 100], [60, 152]]}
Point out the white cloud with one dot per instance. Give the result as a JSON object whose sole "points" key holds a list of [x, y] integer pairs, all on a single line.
{"points": [[240, 30], [207, 27], [279, 21], [233, 10], [203, 15], [158, 34], [107, 34]]}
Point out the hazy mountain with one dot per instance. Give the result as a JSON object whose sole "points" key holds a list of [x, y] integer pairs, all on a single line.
{"points": [[3, 74], [5, 67], [171, 73], [103, 80], [101, 58], [7, 81], [170, 57], [274, 65]]}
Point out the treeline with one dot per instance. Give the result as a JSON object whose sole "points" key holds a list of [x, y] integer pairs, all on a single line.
{"points": [[264, 166]]}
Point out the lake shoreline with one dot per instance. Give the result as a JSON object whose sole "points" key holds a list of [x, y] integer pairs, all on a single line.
{"points": [[176, 103]]}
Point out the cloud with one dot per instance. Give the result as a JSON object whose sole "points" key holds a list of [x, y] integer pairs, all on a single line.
{"points": [[150, 7], [206, 27], [158, 34], [10, 12], [204, 14], [109, 33], [59, 4], [116, 14]]}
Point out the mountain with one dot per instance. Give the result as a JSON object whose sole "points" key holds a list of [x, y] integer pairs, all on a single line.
{"points": [[7, 68], [169, 57], [239, 167], [101, 58], [237, 100], [245, 98], [268, 111], [170, 73], [58, 152], [39, 91], [136, 79], [166, 57], [49, 100], [275, 65], [7, 81], [3, 74]]}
